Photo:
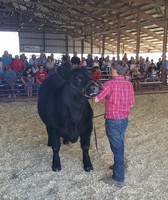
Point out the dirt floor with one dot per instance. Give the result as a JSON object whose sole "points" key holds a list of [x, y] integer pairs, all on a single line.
{"points": [[25, 159]]}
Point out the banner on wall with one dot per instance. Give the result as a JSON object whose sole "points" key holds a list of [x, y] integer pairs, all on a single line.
{"points": [[31, 48]]}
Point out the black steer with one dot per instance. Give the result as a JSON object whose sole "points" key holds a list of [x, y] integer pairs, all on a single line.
{"points": [[64, 108]]}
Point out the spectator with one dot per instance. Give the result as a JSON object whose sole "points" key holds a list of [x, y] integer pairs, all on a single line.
{"points": [[147, 62], [18, 65], [28, 80], [95, 72], [40, 76], [101, 59], [136, 77], [6, 59], [75, 60], [143, 67], [67, 57], [52, 57], [50, 66], [89, 62], [32, 60], [42, 60], [113, 60], [54, 70], [1, 72], [35, 68], [83, 63], [9, 78], [159, 64], [24, 59], [125, 58], [106, 65], [132, 63]]}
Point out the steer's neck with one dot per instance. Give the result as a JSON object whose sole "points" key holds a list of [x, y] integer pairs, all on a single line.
{"points": [[75, 102]]}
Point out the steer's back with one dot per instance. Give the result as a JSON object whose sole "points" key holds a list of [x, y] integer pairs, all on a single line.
{"points": [[47, 97]]}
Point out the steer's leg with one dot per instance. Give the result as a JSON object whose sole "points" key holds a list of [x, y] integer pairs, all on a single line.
{"points": [[54, 141], [85, 144]]}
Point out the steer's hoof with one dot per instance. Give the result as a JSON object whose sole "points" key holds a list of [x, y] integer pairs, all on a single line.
{"points": [[88, 169], [56, 168]]}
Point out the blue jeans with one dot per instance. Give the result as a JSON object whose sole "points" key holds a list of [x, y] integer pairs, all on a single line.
{"points": [[115, 130]]}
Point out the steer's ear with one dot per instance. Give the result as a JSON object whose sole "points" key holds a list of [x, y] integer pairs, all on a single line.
{"points": [[64, 71]]}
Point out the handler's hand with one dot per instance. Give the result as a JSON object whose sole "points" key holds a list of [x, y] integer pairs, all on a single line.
{"points": [[96, 100]]}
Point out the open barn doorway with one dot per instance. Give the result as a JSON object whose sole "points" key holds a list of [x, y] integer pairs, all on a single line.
{"points": [[9, 41]]}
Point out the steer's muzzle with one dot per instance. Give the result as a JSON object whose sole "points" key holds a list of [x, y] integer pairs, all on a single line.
{"points": [[93, 89]]}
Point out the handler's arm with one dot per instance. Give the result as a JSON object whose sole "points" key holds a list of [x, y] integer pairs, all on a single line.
{"points": [[96, 100], [104, 91]]}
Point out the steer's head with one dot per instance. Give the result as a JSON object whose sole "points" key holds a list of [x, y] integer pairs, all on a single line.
{"points": [[82, 81]]}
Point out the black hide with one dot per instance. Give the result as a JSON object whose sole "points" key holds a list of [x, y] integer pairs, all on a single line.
{"points": [[64, 108]]}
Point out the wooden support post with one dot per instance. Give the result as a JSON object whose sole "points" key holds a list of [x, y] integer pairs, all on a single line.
{"points": [[66, 42], [118, 40], [44, 46], [73, 46], [82, 48], [103, 45], [138, 36], [164, 78], [91, 41]]}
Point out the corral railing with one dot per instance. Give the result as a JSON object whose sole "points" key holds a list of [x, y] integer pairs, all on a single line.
{"points": [[23, 92], [18, 91]]}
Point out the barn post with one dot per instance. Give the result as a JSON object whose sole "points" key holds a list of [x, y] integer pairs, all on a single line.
{"points": [[164, 72], [66, 42], [103, 45], [44, 46], [118, 40], [73, 46], [82, 48], [91, 40], [138, 36]]}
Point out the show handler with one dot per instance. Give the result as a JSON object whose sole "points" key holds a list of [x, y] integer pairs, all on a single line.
{"points": [[119, 98]]}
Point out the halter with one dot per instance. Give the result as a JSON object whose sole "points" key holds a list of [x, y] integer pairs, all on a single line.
{"points": [[83, 91]]}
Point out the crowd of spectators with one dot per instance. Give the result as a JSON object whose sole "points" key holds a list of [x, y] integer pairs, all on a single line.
{"points": [[29, 74], [32, 72], [143, 69]]}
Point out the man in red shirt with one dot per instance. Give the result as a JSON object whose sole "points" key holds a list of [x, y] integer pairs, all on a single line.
{"points": [[18, 65], [119, 98]]}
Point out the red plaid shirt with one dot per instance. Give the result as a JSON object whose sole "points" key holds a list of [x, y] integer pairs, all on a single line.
{"points": [[119, 95]]}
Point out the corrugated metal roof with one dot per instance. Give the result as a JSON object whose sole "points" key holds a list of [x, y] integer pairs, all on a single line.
{"points": [[80, 19]]}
